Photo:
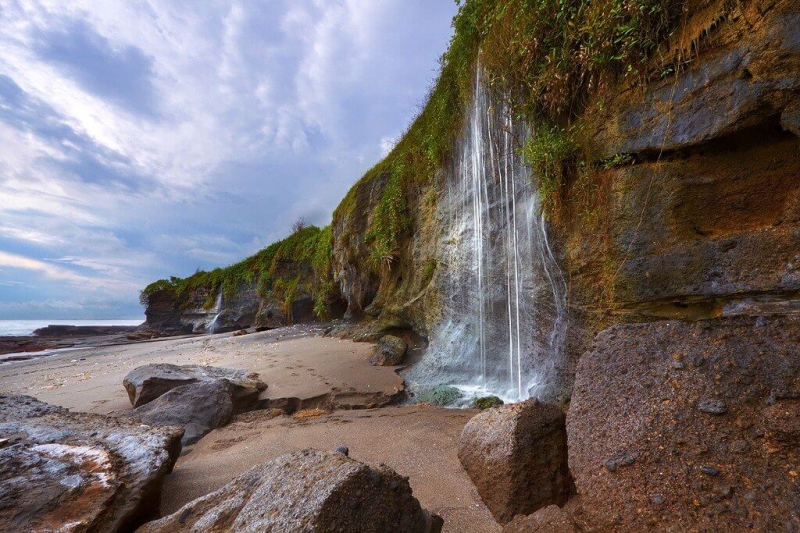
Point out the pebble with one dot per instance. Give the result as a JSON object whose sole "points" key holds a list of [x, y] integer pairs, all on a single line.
{"points": [[677, 365], [658, 499], [713, 407], [621, 459], [344, 450], [710, 470], [740, 446]]}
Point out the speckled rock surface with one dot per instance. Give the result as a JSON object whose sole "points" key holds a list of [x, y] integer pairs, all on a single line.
{"points": [[517, 457], [551, 519], [689, 427], [307, 491], [146, 383], [198, 408], [62, 471]]}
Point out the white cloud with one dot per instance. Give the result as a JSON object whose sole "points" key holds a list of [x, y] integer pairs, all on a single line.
{"points": [[259, 113]]}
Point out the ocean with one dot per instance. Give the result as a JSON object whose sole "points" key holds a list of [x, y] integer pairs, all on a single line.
{"points": [[27, 327]]}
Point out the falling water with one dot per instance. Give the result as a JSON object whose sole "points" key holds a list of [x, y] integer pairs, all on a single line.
{"points": [[212, 326], [503, 321]]}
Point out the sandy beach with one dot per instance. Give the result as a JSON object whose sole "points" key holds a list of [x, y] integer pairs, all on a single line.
{"points": [[418, 441]]}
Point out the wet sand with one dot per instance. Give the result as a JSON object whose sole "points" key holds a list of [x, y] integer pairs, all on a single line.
{"points": [[418, 441], [295, 362]]}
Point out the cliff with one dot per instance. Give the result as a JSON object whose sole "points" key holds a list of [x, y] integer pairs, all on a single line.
{"points": [[600, 205], [289, 281], [665, 166]]}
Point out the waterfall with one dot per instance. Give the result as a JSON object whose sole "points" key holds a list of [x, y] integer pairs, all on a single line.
{"points": [[503, 325], [212, 326]]}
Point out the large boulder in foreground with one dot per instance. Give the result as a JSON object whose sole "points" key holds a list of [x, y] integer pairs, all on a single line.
{"points": [[307, 491], [146, 383], [689, 426], [62, 471], [198, 408], [517, 457]]}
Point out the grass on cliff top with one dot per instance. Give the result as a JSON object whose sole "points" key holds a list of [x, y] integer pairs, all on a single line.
{"points": [[547, 56], [307, 248]]}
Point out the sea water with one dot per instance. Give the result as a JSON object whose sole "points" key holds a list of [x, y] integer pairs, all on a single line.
{"points": [[27, 327]]}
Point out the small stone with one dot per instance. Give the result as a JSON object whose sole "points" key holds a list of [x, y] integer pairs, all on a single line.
{"points": [[726, 491], [710, 470], [658, 499], [344, 450], [677, 365], [713, 407], [621, 459], [740, 446]]}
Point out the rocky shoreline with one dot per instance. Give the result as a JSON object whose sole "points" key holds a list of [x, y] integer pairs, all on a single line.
{"points": [[57, 337]]}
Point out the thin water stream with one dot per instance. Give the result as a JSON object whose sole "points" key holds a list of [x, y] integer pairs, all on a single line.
{"points": [[503, 296]]}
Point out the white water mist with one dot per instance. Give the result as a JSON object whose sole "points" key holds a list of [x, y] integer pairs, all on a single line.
{"points": [[503, 327]]}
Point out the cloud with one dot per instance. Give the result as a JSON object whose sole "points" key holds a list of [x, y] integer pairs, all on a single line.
{"points": [[145, 139]]}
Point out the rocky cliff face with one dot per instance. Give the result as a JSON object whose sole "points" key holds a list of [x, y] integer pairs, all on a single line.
{"points": [[287, 282], [693, 210]]}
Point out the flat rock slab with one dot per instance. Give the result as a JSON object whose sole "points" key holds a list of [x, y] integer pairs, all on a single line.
{"points": [[307, 491], [516, 455], [689, 427], [62, 471], [146, 383], [198, 408]]}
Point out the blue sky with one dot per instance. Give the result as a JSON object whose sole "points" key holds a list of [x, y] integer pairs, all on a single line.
{"points": [[142, 139]]}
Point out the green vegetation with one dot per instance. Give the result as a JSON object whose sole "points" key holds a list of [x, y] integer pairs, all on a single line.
{"points": [[299, 264], [487, 402], [547, 56], [440, 395]]}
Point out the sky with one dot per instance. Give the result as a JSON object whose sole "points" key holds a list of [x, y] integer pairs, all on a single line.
{"points": [[144, 139]]}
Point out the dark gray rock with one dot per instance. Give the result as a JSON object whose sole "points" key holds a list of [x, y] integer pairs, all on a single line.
{"points": [[516, 455], [713, 407], [62, 471], [198, 407], [390, 351], [146, 383], [308, 491]]}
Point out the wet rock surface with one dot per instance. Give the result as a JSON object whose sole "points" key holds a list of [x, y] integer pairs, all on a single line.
{"points": [[715, 443], [62, 471], [307, 491], [390, 351], [148, 382], [517, 457], [198, 408]]}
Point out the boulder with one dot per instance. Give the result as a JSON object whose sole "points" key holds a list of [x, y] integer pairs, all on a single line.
{"points": [[146, 383], [516, 455], [307, 491], [62, 471], [198, 408], [689, 426], [390, 351]]}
